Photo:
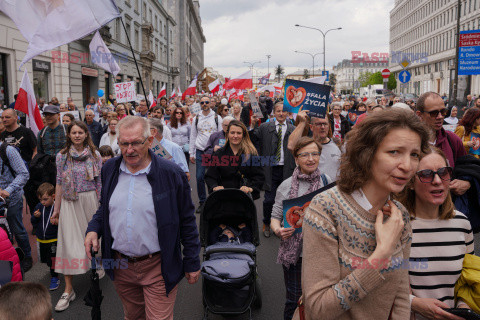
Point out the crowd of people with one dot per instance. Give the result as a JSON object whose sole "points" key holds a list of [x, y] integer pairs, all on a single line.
{"points": [[403, 184]]}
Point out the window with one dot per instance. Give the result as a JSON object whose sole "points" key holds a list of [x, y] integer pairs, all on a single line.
{"points": [[156, 22], [151, 16], [137, 40], [144, 13], [136, 5], [118, 30], [127, 26]]}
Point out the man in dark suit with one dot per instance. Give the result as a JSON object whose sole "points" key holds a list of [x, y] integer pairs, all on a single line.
{"points": [[144, 219], [272, 138]]}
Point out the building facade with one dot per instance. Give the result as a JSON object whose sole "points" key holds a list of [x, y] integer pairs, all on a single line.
{"points": [[153, 30], [348, 73], [424, 32]]}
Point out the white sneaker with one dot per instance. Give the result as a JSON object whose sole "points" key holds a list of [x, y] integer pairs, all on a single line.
{"points": [[64, 301], [101, 272]]}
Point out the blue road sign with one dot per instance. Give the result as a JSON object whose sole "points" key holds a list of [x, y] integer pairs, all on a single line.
{"points": [[327, 73], [469, 53], [404, 76]]}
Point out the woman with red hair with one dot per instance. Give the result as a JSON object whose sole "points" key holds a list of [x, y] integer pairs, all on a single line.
{"points": [[469, 124]]}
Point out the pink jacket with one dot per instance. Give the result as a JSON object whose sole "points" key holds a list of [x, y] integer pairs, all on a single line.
{"points": [[8, 253]]}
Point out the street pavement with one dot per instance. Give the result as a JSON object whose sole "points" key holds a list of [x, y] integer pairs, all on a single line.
{"points": [[189, 297], [188, 304]]}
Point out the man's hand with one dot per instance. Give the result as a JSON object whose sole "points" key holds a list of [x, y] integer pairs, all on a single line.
{"points": [[459, 187], [218, 188], [91, 240], [303, 115], [188, 175], [4, 194], [192, 160], [216, 148], [246, 189], [192, 277]]}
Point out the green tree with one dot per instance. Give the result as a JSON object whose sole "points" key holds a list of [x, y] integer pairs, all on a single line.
{"points": [[364, 78], [333, 80], [279, 71], [306, 74], [376, 78], [392, 82]]}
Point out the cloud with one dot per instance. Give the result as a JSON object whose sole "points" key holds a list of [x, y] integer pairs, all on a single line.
{"points": [[248, 30]]}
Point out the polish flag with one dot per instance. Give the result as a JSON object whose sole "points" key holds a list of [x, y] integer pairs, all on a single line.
{"points": [[192, 88], [179, 92], [221, 93], [152, 101], [243, 81], [162, 93], [232, 94], [214, 86], [240, 94], [174, 94], [27, 104]]}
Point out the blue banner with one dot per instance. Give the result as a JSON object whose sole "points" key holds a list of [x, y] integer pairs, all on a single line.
{"points": [[353, 116], [301, 95], [475, 138]]}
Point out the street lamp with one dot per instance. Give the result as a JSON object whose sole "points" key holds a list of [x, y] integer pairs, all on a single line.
{"points": [[323, 34], [313, 58], [268, 66], [251, 66]]}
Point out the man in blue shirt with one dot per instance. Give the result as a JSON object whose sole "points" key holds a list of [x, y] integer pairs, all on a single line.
{"points": [[13, 177], [178, 157], [145, 218], [95, 128]]}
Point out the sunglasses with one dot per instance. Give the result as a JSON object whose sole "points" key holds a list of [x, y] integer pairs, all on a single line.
{"points": [[178, 112], [427, 175], [435, 113], [204, 102]]}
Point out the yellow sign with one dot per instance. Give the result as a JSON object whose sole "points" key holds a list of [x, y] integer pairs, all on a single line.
{"points": [[405, 63]]}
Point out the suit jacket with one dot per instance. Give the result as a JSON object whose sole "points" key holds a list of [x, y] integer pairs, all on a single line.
{"points": [[266, 138], [174, 210]]}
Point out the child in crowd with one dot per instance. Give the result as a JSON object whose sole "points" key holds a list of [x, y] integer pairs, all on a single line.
{"points": [[46, 230], [25, 300], [224, 233], [106, 153]]}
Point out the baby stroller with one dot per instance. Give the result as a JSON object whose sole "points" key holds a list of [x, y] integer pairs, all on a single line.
{"points": [[230, 284], [4, 225]]}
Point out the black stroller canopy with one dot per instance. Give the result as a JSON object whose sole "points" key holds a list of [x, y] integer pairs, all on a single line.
{"points": [[228, 206]]}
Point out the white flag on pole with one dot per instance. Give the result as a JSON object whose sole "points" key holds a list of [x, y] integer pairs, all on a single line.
{"points": [[101, 55]]}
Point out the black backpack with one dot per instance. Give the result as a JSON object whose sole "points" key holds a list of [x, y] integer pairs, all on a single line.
{"points": [[42, 169], [5, 160]]}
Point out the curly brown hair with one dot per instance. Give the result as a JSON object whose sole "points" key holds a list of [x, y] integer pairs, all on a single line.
{"points": [[173, 118], [468, 120], [363, 140]]}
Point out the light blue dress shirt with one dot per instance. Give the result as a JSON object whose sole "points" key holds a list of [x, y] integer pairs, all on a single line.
{"points": [[176, 152], [132, 215]]}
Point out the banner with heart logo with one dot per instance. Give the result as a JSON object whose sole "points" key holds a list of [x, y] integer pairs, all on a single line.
{"points": [[353, 116], [302, 95], [475, 149]]}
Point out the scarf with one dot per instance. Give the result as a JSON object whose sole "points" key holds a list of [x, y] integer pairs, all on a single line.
{"points": [[291, 248], [69, 182]]}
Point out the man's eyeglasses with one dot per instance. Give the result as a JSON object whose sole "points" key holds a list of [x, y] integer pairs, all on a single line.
{"points": [[305, 155], [321, 124], [435, 113], [134, 144], [204, 102], [427, 175]]}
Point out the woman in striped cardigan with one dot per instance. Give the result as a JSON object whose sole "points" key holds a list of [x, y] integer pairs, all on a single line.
{"points": [[441, 238]]}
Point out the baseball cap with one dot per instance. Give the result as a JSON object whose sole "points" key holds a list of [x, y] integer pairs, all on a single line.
{"points": [[51, 109]]}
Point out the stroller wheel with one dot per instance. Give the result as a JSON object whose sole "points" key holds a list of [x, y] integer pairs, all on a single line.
{"points": [[257, 300]]}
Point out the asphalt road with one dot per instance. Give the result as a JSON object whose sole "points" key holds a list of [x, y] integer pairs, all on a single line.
{"points": [[189, 297]]}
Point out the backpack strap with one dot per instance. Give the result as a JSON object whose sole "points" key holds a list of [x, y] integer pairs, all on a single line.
{"points": [[324, 179], [5, 160]]}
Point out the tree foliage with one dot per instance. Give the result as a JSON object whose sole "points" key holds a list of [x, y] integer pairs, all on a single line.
{"points": [[279, 71], [333, 80], [392, 82], [306, 74]]}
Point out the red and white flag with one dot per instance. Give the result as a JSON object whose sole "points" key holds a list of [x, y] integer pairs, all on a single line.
{"points": [[174, 94], [179, 92], [221, 93], [240, 94], [152, 101], [214, 86], [232, 94], [243, 81], [162, 93], [27, 104], [192, 89]]}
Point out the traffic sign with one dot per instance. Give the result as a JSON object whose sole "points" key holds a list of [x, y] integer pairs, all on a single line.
{"points": [[326, 73], [404, 76], [385, 73]]}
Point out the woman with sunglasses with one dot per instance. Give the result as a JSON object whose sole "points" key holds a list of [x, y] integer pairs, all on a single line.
{"points": [[223, 110], [180, 128], [469, 124], [236, 165], [441, 238]]}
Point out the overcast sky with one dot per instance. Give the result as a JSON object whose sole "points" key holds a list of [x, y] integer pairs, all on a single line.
{"points": [[248, 30]]}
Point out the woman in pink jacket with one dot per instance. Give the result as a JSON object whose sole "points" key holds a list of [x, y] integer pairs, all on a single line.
{"points": [[8, 253]]}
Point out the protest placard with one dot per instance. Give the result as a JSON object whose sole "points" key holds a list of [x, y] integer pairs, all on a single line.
{"points": [[75, 114], [255, 107], [475, 149], [195, 108], [301, 95], [353, 116], [125, 91], [294, 209], [159, 150]]}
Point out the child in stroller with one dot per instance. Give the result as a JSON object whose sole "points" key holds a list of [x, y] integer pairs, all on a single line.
{"points": [[224, 233]]}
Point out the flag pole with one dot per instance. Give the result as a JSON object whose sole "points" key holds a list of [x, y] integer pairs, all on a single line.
{"points": [[136, 64]]}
